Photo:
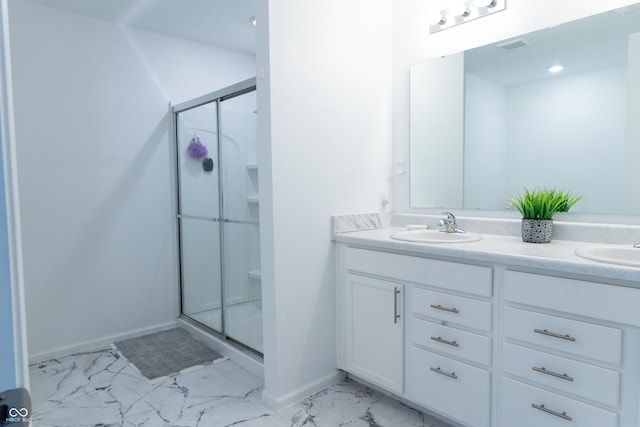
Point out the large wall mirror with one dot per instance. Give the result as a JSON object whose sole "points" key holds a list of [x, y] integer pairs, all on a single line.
{"points": [[488, 122]]}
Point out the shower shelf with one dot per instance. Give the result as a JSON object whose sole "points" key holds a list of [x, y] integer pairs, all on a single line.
{"points": [[253, 199], [255, 274]]}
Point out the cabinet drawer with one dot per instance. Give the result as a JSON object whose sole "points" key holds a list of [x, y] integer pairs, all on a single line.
{"points": [[580, 338], [551, 409], [574, 296], [450, 308], [579, 378], [472, 279], [455, 389], [467, 345]]}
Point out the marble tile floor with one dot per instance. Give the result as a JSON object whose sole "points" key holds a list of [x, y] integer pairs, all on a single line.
{"points": [[102, 389]]}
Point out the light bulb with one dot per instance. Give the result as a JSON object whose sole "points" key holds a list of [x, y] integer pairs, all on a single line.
{"points": [[437, 18], [486, 3], [459, 9], [555, 68]]}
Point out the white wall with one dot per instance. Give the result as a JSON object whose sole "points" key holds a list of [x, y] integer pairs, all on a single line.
{"points": [[96, 171], [412, 43], [327, 95]]}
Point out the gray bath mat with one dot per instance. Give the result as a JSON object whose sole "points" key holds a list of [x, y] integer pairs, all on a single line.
{"points": [[166, 352]]}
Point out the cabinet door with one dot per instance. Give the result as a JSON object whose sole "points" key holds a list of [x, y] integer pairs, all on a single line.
{"points": [[375, 331]]}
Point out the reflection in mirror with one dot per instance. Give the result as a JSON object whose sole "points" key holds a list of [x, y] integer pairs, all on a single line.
{"points": [[491, 121]]}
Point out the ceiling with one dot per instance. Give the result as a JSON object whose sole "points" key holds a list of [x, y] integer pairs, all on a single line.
{"points": [[596, 41], [219, 23], [588, 43]]}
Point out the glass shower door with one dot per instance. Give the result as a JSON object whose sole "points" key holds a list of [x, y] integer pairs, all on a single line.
{"points": [[218, 213], [199, 210], [241, 245]]}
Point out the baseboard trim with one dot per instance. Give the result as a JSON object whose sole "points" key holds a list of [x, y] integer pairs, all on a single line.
{"points": [[97, 344], [280, 402], [249, 361]]}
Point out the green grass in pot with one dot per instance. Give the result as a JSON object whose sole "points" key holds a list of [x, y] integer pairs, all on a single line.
{"points": [[543, 203], [568, 200]]}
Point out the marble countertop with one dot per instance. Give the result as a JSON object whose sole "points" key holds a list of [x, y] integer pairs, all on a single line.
{"points": [[558, 255]]}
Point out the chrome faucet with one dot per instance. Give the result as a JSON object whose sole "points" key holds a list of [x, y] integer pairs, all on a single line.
{"points": [[449, 224], [637, 245]]}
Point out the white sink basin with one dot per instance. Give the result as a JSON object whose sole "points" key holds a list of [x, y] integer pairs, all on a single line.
{"points": [[435, 236], [613, 254]]}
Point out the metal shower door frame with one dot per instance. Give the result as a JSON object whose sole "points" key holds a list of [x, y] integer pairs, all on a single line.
{"points": [[240, 88]]}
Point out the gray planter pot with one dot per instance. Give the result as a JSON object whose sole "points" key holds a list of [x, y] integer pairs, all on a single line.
{"points": [[537, 230]]}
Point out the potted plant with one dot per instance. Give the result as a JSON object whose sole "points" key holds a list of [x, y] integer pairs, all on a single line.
{"points": [[538, 207]]}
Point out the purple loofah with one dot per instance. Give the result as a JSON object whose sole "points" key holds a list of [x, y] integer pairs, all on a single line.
{"points": [[197, 149]]}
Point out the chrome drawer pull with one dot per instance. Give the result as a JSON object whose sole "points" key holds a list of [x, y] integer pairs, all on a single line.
{"points": [[396, 293], [553, 334], [553, 374], [450, 310], [446, 374], [562, 415], [443, 341]]}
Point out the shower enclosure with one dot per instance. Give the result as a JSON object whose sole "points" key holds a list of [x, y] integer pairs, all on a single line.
{"points": [[218, 221]]}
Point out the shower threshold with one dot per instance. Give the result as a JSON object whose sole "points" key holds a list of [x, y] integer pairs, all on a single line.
{"points": [[244, 356]]}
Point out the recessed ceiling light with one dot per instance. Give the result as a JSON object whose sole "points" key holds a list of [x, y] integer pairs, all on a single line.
{"points": [[253, 20], [555, 68]]}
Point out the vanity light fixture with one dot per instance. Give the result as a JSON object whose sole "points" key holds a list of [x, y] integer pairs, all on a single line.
{"points": [[464, 11], [555, 68]]}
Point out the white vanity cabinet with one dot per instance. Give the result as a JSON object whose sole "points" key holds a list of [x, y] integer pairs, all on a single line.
{"points": [[570, 352], [420, 328], [488, 345]]}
